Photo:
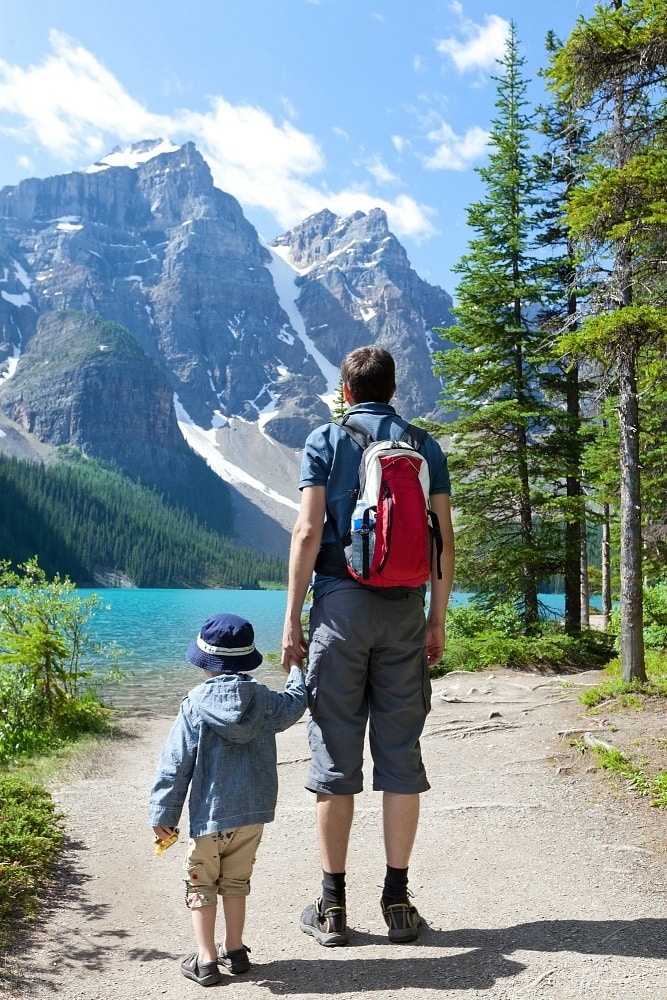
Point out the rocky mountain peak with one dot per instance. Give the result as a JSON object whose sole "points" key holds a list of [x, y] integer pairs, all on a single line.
{"points": [[240, 332], [321, 238]]}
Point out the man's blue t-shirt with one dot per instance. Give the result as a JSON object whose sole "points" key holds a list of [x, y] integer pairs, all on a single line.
{"points": [[331, 459]]}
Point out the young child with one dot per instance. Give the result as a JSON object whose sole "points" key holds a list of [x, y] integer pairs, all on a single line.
{"points": [[222, 746]]}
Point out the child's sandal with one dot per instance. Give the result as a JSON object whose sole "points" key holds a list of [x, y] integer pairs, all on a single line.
{"points": [[206, 974]]}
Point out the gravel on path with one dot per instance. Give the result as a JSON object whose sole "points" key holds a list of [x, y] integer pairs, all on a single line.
{"points": [[535, 879]]}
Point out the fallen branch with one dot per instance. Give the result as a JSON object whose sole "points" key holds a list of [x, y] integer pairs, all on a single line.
{"points": [[540, 704], [591, 742], [483, 727], [576, 732], [540, 979]]}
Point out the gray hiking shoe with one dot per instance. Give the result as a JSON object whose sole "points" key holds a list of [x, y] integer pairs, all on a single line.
{"points": [[403, 921], [329, 928]]}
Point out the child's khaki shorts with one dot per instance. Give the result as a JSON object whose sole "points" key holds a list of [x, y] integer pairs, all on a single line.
{"points": [[220, 864]]}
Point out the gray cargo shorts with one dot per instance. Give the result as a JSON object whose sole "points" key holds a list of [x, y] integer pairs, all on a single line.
{"points": [[367, 663]]}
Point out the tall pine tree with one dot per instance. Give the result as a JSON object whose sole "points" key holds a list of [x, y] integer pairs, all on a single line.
{"points": [[614, 66], [560, 170], [506, 535]]}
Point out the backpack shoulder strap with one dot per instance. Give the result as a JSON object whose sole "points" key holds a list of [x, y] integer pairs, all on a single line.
{"points": [[414, 436], [356, 431]]}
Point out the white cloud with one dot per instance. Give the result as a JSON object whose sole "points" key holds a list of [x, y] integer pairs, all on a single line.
{"points": [[288, 107], [452, 151], [71, 105], [69, 101], [399, 143], [25, 162], [478, 46], [406, 216], [380, 171], [340, 132]]}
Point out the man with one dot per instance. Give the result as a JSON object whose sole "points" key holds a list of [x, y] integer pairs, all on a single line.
{"points": [[369, 654]]}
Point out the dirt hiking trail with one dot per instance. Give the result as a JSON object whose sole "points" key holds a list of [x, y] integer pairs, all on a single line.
{"points": [[536, 878]]}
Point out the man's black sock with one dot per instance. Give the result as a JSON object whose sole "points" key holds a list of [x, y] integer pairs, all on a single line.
{"points": [[395, 886], [333, 889]]}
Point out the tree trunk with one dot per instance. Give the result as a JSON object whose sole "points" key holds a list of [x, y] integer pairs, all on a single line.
{"points": [[632, 634], [606, 567], [531, 611], [632, 623], [585, 589], [572, 570], [572, 567]]}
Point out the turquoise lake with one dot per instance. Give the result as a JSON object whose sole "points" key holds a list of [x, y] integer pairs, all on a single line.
{"points": [[155, 627]]}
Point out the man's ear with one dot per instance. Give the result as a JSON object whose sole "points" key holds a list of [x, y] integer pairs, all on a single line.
{"points": [[347, 395]]}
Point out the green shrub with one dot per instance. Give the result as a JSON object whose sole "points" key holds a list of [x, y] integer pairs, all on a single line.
{"points": [[43, 636], [30, 838], [634, 774], [481, 638], [629, 694], [28, 725], [654, 605]]}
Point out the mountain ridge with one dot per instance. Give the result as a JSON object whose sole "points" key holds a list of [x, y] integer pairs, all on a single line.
{"points": [[243, 333]]}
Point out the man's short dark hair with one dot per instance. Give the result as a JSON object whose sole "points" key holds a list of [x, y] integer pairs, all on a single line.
{"points": [[370, 374]]}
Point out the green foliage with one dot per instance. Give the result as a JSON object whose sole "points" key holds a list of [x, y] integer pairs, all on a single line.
{"points": [[613, 760], [655, 616], [43, 635], [479, 638], [30, 838], [605, 335], [340, 406], [85, 521], [654, 606], [628, 694]]}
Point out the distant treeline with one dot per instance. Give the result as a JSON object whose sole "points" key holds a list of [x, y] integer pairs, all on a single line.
{"points": [[84, 520]]}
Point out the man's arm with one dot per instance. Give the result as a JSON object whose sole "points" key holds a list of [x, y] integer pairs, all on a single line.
{"points": [[440, 589], [306, 538]]}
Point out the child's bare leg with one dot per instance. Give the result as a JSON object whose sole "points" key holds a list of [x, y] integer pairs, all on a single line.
{"points": [[203, 921], [234, 910]]}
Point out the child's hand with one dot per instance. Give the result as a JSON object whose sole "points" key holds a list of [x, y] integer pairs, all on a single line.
{"points": [[163, 832], [164, 837]]}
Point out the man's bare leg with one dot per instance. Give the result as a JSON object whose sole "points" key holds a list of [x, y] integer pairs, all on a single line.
{"points": [[400, 815], [334, 822]]}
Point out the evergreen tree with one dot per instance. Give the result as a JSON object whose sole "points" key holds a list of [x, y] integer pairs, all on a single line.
{"points": [[339, 406], [90, 522], [505, 534], [614, 65], [560, 170]]}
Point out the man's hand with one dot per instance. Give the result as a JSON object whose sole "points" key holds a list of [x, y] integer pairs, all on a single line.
{"points": [[435, 642], [295, 647]]}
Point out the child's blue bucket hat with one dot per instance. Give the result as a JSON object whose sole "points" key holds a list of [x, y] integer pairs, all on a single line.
{"points": [[225, 645]]}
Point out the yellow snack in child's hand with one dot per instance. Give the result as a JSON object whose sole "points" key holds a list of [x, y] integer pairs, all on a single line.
{"points": [[161, 844]]}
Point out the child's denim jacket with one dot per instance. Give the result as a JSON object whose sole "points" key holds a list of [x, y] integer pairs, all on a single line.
{"points": [[222, 744]]}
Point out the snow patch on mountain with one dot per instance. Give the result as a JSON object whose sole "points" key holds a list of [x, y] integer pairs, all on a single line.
{"points": [[12, 365], [284, 275], [133, 155], [204, 443]]}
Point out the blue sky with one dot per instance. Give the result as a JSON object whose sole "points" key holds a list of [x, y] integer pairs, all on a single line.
{"points": [[297, 105]]}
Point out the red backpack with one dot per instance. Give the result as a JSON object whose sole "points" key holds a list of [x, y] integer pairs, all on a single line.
{"points": [[392, 530]]}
